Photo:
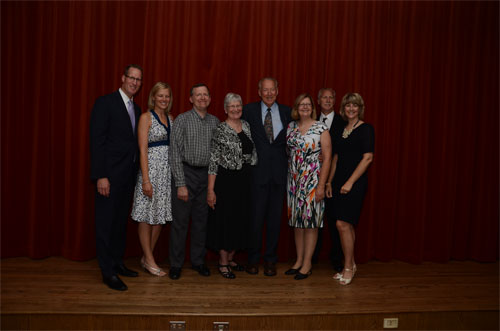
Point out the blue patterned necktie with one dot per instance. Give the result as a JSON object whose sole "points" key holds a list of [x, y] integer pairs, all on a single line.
{"points": [[268, 125]]}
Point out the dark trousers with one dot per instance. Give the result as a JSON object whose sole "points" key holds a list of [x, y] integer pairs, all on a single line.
{"points": [[111, 216], [195, 208], [336, 254], [267, 203]]}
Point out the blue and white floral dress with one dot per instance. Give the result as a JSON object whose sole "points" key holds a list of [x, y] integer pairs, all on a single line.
{"points": [[158, 209]]}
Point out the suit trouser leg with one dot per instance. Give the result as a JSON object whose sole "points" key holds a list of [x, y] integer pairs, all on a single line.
{"points": [[336, 254], [273, 224], [260, 195], [196, 182], [181, 212], [111, 216], [199, 220]]}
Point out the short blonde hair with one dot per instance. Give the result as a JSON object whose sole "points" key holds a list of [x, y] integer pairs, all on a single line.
{"points": [[158, 86], [354, 98], [295, 109]]}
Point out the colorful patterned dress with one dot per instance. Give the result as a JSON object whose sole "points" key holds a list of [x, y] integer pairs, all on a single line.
{"points": [[303, 176]]}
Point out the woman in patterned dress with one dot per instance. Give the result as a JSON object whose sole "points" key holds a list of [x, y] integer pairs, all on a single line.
{"points": [[353, 155], [307, 139], [232, 153], [152, 207]]}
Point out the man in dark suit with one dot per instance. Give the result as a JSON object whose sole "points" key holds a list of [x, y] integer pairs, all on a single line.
{"points": [[326, 101], [268, 123], [113, 165]]}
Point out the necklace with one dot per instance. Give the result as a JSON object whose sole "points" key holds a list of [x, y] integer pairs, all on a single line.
{"points": [[347, 132]]}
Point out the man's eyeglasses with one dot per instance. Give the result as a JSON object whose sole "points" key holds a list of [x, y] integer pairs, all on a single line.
{"points": [[138, 80]]}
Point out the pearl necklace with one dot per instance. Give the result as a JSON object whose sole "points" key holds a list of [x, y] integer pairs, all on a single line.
{"points": [[347, 132]]}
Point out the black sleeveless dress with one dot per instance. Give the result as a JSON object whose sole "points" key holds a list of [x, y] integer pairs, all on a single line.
{"points": [[350, 150]]}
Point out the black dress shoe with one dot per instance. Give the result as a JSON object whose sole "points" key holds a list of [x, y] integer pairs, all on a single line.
{"points": [[114, 282], [174, 273], [202, 270], [252, 269], [292, 271], [270, 269], [122, 270], [300, 275]]}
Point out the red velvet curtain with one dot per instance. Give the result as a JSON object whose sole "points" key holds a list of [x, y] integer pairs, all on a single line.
{"points": [[428, 72]]}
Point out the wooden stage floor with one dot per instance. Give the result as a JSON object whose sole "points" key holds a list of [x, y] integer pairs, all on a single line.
{"points": [[56, 293]]}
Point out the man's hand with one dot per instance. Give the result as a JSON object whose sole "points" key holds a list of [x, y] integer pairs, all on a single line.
{"points": [[182, 193], [103, 187]]}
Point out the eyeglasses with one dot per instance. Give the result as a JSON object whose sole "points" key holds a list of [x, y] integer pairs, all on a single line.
{"points": [[305, 105], [234, 106], [139, 80]]}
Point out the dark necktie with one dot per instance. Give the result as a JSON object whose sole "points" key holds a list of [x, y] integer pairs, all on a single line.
{"points": [[324, 120], [268, 125]]}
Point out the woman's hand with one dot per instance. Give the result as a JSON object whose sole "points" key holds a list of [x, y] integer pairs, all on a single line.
{"points": [[328, 190], [211, 198], [346, 188], [147, 189], [320, 193]]}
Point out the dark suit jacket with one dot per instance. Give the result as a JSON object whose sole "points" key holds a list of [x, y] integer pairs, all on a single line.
{"points": [[272, 163], [113, 145], [337, 128]]}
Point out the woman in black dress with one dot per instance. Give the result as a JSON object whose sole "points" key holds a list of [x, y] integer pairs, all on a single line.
{"points": [[353, 155], [232, 152]]}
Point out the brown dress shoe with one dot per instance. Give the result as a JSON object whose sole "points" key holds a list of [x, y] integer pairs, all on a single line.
{"points": [[270, 269], [252, 269]]}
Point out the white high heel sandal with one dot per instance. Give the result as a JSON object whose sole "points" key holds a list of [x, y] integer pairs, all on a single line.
{"points": [[338, 275], [347, 281]]}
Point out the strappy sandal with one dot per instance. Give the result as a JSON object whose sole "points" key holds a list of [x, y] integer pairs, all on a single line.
{"points": [[236, 266], [152, 270], [338, 275], [228, 273], [347, 281]]}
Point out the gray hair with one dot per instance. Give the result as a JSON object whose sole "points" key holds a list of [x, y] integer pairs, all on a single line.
{"points": [[321, 91], [268, 78], [230, 97]]}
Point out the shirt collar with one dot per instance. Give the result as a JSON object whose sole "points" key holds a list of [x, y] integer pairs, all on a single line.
{"points": [[263, 107], [125, 97]]}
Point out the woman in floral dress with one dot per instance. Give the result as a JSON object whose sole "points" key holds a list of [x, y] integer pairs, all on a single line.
{"points": [[307, 139], [152, 197]]}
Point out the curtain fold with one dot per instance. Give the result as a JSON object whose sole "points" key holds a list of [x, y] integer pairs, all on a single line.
{"points": [[428, 72]]}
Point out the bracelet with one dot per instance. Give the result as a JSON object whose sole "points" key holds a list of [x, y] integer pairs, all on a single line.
{"points": [[148, 182], [328, 184]]}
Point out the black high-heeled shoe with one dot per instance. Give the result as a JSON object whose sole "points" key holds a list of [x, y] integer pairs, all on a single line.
{"points": [[228, 273], [236, 266], [300, 275], [292, 271]]}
